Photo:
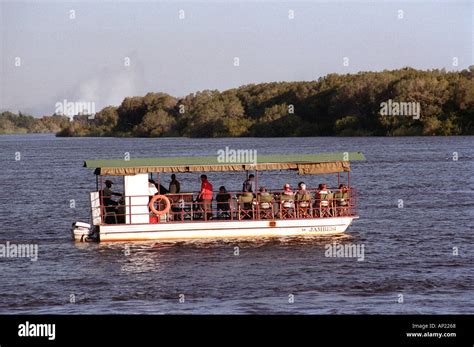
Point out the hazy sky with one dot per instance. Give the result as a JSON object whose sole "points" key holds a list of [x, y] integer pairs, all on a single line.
{"points": [[83, 58]]}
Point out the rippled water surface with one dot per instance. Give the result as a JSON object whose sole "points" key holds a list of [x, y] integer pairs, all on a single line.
{"points": [[408, 251]]}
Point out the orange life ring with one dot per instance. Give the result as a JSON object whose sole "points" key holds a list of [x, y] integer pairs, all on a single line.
{"points": [[151, 205]]}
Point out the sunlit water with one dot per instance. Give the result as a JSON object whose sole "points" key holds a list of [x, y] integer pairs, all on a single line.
{"points": [[408, 251]]}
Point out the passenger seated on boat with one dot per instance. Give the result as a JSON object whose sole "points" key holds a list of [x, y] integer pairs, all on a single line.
{"points": [[323, 200], [110, 205], [287, 202], [177, 206], [264, 198], [223, 203], [245, 205], [108, 193], [342, 199], [265, 203], [303, 201], [302, 196]]}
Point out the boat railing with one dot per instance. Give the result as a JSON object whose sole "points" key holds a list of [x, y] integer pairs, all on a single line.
{"points": [[230, 206]]}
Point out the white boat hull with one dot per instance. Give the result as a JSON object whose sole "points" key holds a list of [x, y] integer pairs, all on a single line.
{"points": [[224, 229]]}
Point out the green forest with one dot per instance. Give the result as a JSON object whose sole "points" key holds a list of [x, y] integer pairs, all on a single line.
{"points": [[11, 123], [334, 105]]}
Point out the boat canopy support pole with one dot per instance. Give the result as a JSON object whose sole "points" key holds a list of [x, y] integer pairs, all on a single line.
{"points": [[256, 182], [101, 201]]}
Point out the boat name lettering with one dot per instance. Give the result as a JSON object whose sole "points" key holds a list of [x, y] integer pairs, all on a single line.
{"points": [[323, 228]]}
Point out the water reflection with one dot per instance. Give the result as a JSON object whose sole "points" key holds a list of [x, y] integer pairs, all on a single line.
{"points": [[135, 257]]}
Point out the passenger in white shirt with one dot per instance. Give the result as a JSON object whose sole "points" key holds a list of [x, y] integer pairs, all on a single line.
{"points": [[152, 188]]}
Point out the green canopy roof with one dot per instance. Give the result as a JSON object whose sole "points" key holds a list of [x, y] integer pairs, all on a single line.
{"points": [[304, 163]]}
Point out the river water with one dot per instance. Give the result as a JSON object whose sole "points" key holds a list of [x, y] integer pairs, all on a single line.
{"points": [[416, 228]]}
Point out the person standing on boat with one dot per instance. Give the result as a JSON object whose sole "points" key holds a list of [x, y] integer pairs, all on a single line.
{"points": [[174, 187], [249, 184], [205, 196]]}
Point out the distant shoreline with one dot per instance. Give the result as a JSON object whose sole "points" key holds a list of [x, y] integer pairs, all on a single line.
{"points": [[223, 137]]}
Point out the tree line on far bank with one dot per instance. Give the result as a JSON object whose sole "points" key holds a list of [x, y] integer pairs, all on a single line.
{"points": [[340, 105], [11, 123]]}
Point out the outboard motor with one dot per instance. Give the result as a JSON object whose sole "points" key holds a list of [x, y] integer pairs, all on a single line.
{"points": [[83, 232]]}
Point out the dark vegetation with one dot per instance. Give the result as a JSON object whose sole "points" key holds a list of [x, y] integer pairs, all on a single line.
{"points": [[344, 105]]}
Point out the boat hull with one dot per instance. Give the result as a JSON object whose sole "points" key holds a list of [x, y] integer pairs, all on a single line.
{"points": [[225, 229]]}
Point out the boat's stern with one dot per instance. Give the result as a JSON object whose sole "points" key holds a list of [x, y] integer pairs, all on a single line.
{"points": [[84, 232]]}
